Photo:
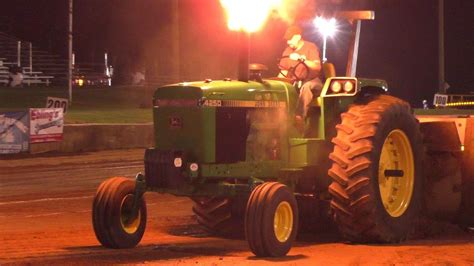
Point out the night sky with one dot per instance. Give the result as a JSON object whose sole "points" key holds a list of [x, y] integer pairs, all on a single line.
{"points": [[400, 46]]}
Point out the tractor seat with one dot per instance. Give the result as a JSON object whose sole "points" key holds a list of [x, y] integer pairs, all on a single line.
{"points": [[329, 71]]}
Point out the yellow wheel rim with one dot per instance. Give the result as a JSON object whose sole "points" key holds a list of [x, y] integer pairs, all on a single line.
{"points": [[129, 224], [283, 221], [396, 173]]}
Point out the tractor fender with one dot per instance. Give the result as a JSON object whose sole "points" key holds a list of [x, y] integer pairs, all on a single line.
{"points": [[372, 90]]}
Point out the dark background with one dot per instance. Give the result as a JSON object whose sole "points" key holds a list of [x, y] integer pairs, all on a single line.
{"points": [[189, 39]]}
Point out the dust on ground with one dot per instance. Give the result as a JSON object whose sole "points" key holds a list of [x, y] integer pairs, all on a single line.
{"points": [[45, 218]]}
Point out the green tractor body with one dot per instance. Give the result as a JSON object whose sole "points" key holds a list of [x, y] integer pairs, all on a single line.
{"points": [[234, 148], [221, 138]]}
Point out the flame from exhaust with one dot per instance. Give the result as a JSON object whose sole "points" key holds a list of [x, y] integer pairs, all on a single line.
{"points": [[251, 15], [248, 15]]}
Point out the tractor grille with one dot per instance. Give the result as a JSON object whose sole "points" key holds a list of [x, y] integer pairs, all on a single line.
{"points": [[232, 130], [160, 169]]}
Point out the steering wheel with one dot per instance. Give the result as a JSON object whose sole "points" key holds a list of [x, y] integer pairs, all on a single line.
{"points": [[291, 71]]}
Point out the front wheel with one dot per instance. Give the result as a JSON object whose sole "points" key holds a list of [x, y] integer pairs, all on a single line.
{"points": [[115, 223], [271, 220], [376, 171]]}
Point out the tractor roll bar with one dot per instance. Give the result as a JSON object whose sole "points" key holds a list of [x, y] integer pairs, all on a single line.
{"points": [[354, 17]]}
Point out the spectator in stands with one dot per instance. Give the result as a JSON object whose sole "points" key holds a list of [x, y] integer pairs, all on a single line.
{"points": [[15, 76], [138, 77]]}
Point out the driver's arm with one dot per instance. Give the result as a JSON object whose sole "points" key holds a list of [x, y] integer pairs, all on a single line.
{"points": [[314, 65]]}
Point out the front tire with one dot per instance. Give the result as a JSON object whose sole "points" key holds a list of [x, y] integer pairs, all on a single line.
{"points": [[376, 171], [271, 220], [114, 224]]}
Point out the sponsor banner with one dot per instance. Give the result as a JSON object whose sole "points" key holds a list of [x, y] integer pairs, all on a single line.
{"points": [[46, 124], [54, 102], [13, 132]]}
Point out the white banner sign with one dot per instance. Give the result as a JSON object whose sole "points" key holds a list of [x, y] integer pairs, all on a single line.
{"points": [[14, 132], [46, 124]]}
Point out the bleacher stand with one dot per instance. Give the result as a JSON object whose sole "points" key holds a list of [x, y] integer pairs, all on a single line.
{"points": [[4, 74], [40, 67], [14, 54]]}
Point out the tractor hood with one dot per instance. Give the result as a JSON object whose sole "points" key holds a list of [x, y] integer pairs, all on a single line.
{"points": [[225, 93]]}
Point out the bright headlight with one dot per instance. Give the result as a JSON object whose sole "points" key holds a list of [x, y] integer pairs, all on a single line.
{"points": [[336, 86], [348, 86]]}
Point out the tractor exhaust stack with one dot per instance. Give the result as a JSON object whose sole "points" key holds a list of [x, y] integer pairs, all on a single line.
{"points": [[244, 54]]}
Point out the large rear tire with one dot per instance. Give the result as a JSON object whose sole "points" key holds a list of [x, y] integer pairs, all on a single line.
{"points": [[376, 171], [271, 220], [114, 224], [220, 216]]}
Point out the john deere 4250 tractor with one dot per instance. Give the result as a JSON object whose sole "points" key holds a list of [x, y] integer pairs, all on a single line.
{"points": [[233, 148]]}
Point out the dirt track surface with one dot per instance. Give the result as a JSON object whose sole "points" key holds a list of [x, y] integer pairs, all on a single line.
{"points": [[45, 218]]}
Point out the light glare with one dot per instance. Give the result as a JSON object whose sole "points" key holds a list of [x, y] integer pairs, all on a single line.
{"points": [[327, 27]]}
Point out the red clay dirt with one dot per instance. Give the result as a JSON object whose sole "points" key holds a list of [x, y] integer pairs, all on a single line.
{"points": [[45, 218]]}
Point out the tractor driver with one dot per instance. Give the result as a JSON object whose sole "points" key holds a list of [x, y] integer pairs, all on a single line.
{"points": [[301, 62]]}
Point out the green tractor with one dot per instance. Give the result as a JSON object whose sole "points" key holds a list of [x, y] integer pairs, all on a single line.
{"points": [[233, 148]]}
